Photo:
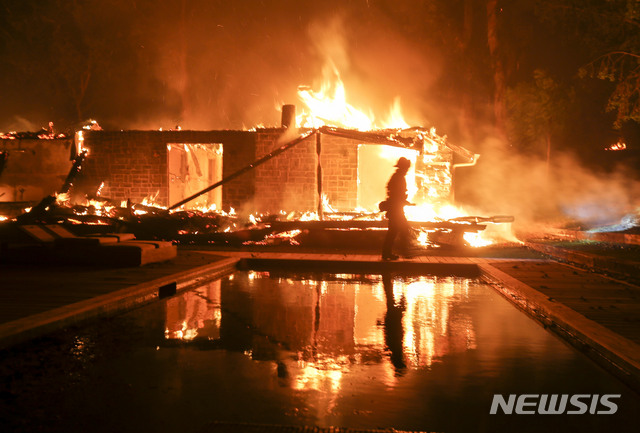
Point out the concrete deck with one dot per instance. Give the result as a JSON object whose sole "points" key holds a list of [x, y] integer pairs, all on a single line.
{"points": [[601, 263], [612, 237], [597, 314]]}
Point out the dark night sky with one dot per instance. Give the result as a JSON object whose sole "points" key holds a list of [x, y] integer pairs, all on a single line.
{"points": [[205, 64]]}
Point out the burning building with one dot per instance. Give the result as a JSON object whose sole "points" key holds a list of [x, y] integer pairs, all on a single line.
{"points": [[329, 164], [308, 172], [32, 165], [268, 170]]}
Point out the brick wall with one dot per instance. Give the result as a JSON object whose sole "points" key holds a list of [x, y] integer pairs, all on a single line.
{"points": [[133, 165], [289, 181], [340, 172]]}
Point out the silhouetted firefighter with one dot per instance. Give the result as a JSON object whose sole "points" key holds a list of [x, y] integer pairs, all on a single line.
{"points": [[394, 206]]}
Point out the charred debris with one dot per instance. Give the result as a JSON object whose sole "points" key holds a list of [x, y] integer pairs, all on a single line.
{"points": [[87, 214]]}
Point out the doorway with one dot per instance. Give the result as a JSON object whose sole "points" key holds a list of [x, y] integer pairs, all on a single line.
{"points": [[192, 168]]}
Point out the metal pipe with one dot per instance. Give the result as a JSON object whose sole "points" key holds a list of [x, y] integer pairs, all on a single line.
{"points": [[247, 168], [453, 170], [467, 164]]}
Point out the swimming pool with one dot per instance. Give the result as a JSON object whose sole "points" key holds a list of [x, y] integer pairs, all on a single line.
{"points": [[270, 347]]}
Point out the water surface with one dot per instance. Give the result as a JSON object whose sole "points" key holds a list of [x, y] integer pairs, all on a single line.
{"points": [[361, 351]]}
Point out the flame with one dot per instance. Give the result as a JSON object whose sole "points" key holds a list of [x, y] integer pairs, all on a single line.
{"points": [[395, 118], [62, 198], [329, 106], [80, 143], [326, 206], [476, 239], [620, 145], [150, 200], [431, 212]]}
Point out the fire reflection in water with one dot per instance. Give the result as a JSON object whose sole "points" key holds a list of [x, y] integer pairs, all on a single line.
{"points": [[316, 330], [195, 314]]}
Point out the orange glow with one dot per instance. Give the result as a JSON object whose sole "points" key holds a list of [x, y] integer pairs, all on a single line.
{"points": [[191, 316], [427, 320], [329, 106], [620, 145], [429, 180]]}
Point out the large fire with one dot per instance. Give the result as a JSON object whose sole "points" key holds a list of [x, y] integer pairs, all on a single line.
{"points": [[329, 106], [435, 218]]}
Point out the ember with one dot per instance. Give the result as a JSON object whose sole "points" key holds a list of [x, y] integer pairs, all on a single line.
{"points": [[619, 145]]}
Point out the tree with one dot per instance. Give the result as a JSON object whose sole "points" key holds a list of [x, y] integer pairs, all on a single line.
{"points": [[537, 111], [66, 54], [623, 69], [499, 78], [610, 34]]}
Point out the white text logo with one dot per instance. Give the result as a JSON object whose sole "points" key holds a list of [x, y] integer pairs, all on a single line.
{"points": [[554, 404]]}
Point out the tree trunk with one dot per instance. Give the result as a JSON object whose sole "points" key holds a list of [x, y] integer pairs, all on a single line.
{"points": [[548, 154], [497, 66], [466, 100]]}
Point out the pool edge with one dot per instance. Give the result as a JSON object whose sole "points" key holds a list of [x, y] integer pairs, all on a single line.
{"points": [[37, 325], [617, 354]]}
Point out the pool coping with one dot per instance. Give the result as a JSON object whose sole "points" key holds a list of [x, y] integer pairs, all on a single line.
{"points": [[461, 268], [37, 325], [617, 354]]}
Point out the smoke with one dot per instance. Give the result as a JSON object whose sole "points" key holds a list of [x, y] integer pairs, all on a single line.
{"points": [[19, 123], [378, 64], [218, 64], [231, 67], [534, 191]]}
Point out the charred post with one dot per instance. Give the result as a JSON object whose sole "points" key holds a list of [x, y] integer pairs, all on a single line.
{"points": [[319, 173], [288, 116]]}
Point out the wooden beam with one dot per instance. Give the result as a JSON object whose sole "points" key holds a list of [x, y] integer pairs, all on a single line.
{"points": [[247, 168], [283, 226]]}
